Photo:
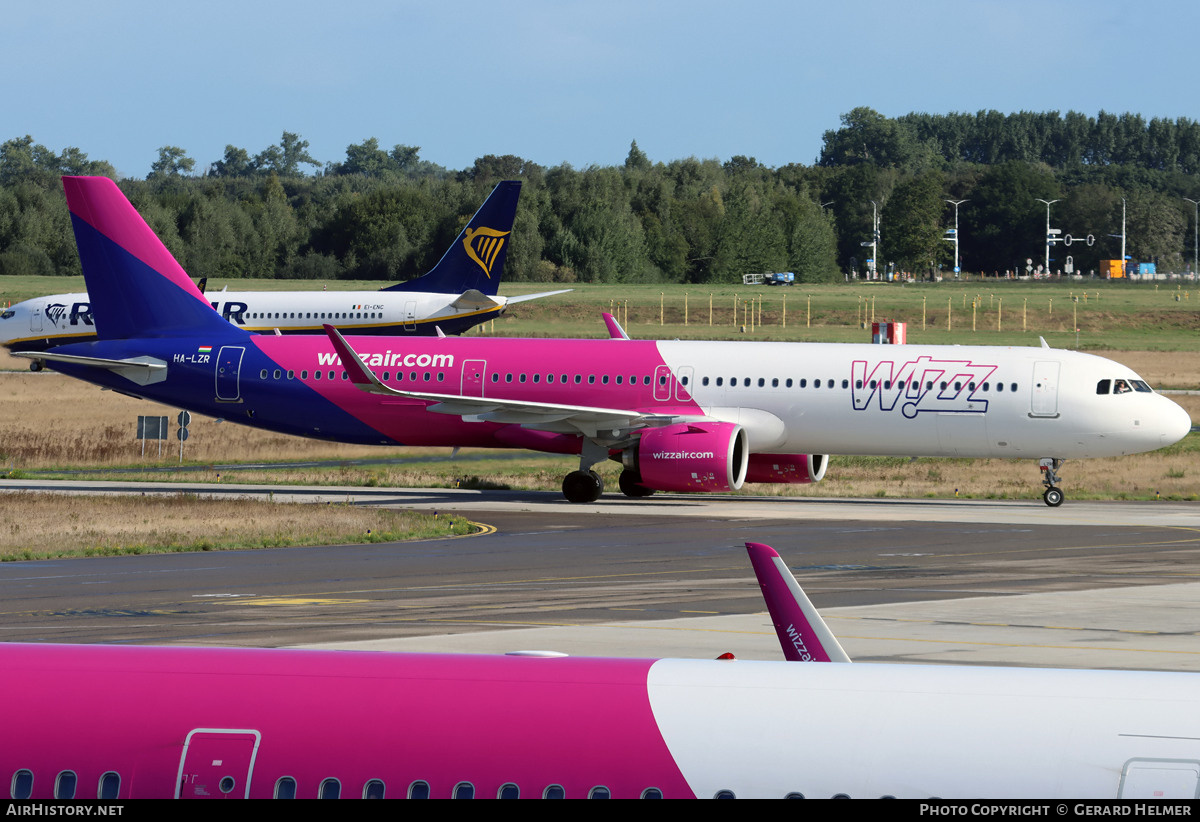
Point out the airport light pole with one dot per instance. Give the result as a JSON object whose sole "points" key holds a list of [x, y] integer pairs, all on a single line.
{"points": [[875, 239], [954, 239], [1049, 241], [1195, 233]]}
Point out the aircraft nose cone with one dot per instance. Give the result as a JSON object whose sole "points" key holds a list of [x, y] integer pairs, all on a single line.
{"points": [[1177, 423]]}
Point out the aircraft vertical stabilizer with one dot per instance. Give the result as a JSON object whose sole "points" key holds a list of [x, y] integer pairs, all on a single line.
{"points": [[803, 634], [137, 288], [476, 258]]}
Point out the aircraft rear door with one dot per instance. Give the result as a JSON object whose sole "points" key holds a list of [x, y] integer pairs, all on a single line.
{"points": [[229, 367], [217, 763], [410, 315], [472, 377]]}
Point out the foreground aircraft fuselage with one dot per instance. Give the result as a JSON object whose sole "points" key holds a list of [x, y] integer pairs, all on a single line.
{"points": [[680, 416], [133, 722], [114, 722]]}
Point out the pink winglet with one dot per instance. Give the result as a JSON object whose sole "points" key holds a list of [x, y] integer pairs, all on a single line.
{"points": [[802, 633]]}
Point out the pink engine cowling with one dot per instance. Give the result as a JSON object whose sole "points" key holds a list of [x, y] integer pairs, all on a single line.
{"points": [[790, 468], [694, 456]]}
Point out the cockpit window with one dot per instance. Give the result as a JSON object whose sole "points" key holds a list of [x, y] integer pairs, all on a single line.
{"points": [[1141, 387], [6, 314], [1121, 387], [1103, 386]]}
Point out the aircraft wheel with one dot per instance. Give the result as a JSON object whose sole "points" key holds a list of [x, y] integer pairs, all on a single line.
{"points": [[35, 366], [582, 486], [1053, 496], [631, 485]]}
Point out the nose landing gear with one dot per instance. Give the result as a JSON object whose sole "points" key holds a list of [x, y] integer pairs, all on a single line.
{"points": [[1053, 495]]}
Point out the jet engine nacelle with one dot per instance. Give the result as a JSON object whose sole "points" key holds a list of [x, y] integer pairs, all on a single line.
{"points": [[798, 469], [693, 456]]}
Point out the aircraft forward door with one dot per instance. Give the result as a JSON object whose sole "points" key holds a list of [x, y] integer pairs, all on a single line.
{"points": [[217, 763], [1043, 401], [35, 320], [229, 368]]}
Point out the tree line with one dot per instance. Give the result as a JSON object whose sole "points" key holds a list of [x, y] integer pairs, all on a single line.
{"points": [[386, 214]]}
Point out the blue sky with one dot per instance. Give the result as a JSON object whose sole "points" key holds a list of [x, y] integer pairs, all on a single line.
{"points": [[565, 81]]}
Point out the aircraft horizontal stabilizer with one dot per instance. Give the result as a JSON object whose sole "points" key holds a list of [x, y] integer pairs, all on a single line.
{"points": [[526, 297], [473, 300], [141, 370]]}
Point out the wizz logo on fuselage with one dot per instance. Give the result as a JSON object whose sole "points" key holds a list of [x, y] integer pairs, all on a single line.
{"points": [[923, 384], [482, 245]]}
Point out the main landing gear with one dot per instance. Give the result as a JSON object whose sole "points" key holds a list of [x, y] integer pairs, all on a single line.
{"points": [[583, 486], [1053, 496]]}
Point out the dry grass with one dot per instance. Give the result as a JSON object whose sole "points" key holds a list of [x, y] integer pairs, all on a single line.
{"points": [[49, 420], [36, 526]]}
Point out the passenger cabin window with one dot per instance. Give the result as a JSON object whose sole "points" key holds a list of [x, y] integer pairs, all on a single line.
{"points": [[373, 789], [285, 788], [599, 792], [508, 791], [64, 785], [554, 792], [463, 790], [110, 786], [418, 790], [330, 789], [22, 784], [652, 793]]}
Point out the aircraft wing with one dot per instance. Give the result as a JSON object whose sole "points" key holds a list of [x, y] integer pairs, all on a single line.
{"points": [[609, 425], [141, 370]]}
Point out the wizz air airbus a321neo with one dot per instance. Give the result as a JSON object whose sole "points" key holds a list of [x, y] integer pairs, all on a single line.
{"points": [[680, 416], [456, 294], [124, 722]]}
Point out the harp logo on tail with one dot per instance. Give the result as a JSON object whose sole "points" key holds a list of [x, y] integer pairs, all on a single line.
{"points": [[482, 246]]}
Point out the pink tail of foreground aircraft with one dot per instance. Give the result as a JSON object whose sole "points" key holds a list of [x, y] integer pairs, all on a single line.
{"points": [[122, 722], [679, 416]]}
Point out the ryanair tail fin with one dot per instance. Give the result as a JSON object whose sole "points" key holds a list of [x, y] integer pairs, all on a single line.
{"points": [[476, 259], [136, 288]]}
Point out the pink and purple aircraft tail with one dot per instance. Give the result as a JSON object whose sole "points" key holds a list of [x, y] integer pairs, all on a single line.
{"points": [[137, 288]]}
